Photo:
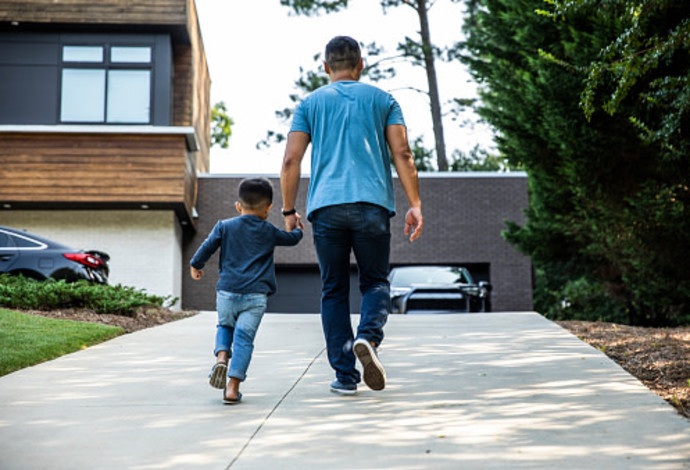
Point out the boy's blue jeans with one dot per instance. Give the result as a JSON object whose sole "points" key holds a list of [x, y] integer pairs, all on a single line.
{"points": [[239, 317], [365, 230]]}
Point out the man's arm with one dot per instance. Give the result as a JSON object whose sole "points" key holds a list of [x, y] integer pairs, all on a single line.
{"points": [[297, 143], [396, 136]]}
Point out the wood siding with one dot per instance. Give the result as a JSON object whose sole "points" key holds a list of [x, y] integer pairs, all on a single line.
{"points": [[148, 12], [97, 168], [201, 105]]}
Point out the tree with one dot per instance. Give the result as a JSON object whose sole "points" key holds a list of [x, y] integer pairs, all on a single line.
{"points": [[221, 125], [642, 73], [607, 209], [422, 156], [419, 52], [477, 160]]}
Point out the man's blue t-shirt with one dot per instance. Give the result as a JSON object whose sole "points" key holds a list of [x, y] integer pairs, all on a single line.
{"points": [[246, 253], [350, 161]]}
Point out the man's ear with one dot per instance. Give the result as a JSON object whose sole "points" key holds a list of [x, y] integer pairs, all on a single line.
{"points": [[238, 206], [326, 68]]}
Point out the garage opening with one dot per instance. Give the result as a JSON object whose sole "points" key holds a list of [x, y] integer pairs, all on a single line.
{"points": [[299, 287], [299, 290]]}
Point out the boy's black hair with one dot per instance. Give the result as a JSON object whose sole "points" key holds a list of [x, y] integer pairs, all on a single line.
{"points": [[342, 53], [255, 193]]}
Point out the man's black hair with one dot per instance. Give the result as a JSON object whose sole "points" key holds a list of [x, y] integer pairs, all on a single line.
{"points": [[342, 53], [255, 193]]}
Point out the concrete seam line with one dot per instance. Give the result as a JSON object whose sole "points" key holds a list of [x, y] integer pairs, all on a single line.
{"points": [[270, 413]]}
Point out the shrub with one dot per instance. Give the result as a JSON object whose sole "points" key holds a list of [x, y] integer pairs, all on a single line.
{"points": [[585, 300], [22, 293]]}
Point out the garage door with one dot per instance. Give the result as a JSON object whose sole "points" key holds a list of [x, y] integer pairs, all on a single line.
{"points": [[299, 291]]}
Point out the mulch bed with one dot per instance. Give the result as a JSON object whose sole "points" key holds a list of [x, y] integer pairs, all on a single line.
{"points": [[144, 318], [658, 357]]}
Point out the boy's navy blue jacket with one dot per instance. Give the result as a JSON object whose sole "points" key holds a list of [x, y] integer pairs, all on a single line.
{"points": [[246, 253]]}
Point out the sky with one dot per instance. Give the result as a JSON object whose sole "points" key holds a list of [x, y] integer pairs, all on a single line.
{"points": [[255, 50]]}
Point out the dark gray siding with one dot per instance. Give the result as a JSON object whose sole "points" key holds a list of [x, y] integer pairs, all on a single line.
{"points": [[464, 216]]}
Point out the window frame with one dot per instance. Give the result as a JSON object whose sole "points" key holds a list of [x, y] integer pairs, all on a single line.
{"points": [[107, 65]]}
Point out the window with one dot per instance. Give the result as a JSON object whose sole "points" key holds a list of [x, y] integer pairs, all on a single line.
{"points": [[5, 242], [129, 95], [83, 94], [26, 243], [82, 54], [102, 84], [12, 241], [139, 55]]}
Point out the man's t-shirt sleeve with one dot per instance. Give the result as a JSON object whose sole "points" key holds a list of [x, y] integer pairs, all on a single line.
{"points": [[299, 120], [395, 116]]}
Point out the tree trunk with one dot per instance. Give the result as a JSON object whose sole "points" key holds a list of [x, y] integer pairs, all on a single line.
{"points": [[433, 86]]}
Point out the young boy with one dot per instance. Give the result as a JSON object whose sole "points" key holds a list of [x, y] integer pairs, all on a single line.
{"points": [[247, 278]]}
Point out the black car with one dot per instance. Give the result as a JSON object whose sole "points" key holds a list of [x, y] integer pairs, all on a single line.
{"points": [[437, 288], [39, 258]]}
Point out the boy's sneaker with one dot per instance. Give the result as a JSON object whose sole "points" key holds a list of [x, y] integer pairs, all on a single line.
{"points": [[373, 373], [217, 376], [343, 389]]}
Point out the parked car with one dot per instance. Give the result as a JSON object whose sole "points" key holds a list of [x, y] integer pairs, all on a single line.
{"points": [[437, 288], [39, 258]]}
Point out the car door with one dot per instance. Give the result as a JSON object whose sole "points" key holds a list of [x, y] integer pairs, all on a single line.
{"points": [[8, 252]]}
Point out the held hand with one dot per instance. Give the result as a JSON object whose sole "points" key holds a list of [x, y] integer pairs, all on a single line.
{"points": [[414, 222], [196, 273], [292, 221]]}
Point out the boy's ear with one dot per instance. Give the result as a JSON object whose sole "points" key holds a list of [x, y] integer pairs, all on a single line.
{"points": [[238, 206]]}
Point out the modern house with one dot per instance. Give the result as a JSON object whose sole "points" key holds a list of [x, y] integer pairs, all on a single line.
{"points": [[104, 126], [104, 144]]}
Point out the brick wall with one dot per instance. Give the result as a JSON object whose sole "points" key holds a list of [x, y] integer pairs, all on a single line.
{"points": [[464, 215]]}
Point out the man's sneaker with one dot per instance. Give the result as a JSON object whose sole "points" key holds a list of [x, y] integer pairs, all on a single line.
{"points": [[217, 376], [373, 373], [343, 389]]}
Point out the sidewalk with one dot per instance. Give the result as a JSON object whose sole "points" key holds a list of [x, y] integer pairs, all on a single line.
{"points": [[484, 391]]}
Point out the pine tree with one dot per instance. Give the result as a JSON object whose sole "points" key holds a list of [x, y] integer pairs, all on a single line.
{"points": [[596, 218]]}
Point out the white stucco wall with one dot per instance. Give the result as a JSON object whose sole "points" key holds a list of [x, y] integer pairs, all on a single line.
{"points": [[145, 247]]}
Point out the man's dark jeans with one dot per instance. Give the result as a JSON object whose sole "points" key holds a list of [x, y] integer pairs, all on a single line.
{"points": [[338, 230]]}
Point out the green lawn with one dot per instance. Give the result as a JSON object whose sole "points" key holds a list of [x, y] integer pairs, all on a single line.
{"points": [[26, 340]]}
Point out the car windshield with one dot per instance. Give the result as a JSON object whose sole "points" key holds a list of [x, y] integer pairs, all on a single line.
{"points": [[429, 275]]}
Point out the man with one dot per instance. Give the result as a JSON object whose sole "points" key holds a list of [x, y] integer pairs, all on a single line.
{"points": [[351, 127]]}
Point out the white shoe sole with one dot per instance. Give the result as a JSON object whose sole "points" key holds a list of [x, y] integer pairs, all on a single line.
{"points": [[373, 374], [340, 391]]}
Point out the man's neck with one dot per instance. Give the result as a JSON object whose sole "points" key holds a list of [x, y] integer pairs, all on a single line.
{"points": [[344, 76]]}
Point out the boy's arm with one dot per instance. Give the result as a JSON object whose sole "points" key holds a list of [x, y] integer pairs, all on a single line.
{"points": [[292, 238], [207, 248]]}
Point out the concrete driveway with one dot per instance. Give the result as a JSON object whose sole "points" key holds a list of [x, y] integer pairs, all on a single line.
{"points": [[481, 391]]}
